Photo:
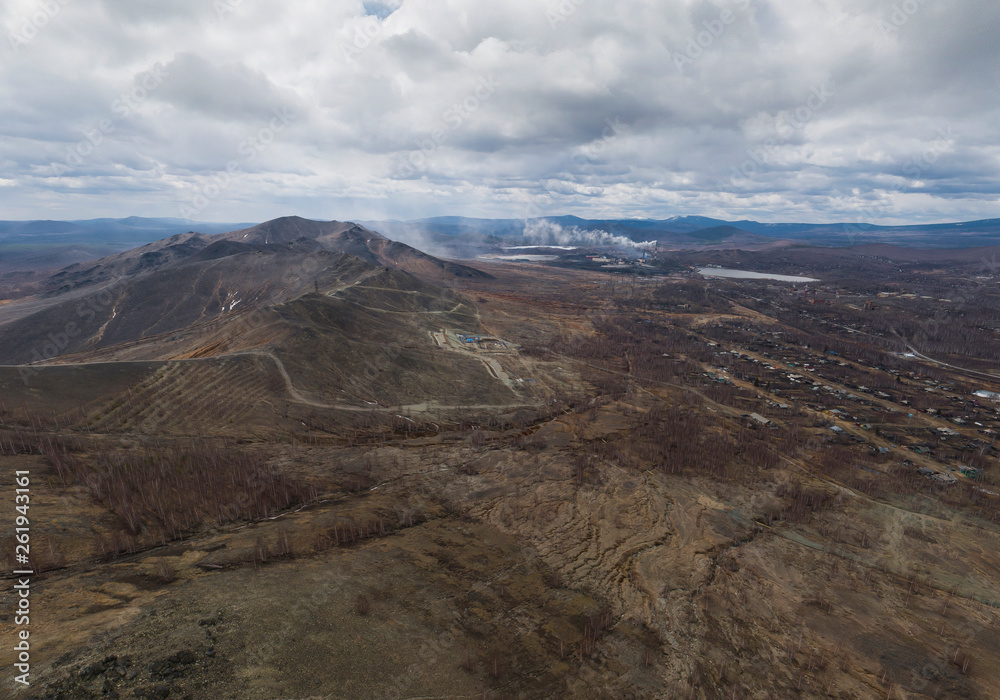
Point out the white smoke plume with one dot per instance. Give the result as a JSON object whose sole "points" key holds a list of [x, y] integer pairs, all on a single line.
{"points": [[545, 232]]}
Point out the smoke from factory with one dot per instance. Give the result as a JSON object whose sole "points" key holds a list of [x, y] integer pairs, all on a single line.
{"points": [[545, 232]]}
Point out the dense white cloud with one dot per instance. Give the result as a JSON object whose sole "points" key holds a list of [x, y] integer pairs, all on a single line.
{"points": [[879, 110]]}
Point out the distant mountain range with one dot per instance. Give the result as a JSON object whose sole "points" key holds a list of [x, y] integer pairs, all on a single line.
{"points": [[699, 231], [132, 230], [56, 244]]}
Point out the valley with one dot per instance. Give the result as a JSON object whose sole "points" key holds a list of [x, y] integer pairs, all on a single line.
{"points": [[300, 460]]}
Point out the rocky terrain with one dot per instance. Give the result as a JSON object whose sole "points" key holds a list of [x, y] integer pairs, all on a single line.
{"points": [[602, 488]]}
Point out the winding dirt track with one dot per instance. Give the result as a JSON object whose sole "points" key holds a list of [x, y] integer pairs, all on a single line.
{"points": [[298, 396], [415, 407]]}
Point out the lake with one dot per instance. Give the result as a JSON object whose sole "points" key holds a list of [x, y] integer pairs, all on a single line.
{"points": [[747, 275], [520, 258]]}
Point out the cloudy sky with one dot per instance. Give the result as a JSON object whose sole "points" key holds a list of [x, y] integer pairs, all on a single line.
{"points": [[242, 110]]}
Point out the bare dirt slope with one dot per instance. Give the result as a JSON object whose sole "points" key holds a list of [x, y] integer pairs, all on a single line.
{"points": [[250, 523]]}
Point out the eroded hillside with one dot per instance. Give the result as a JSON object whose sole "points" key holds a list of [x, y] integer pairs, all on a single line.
{"points": [[541, 484]]}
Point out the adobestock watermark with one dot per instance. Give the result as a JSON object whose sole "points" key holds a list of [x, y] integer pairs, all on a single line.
{"points": [[91, 316], [31, 26], [88, 313], [919, 164], [900, 15], [914, 168], [363, 37], [787, 124], [533, 208], [224, 8], [123, 107], [454, 118], [561, 11], [249, 149], [962, 299], [711, 30], [592, 151]]}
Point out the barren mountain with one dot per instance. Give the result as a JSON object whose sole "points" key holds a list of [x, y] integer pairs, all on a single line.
{"points": [[263, 468], [288, 234], [353, 239], [287, 301], [129, 263]]}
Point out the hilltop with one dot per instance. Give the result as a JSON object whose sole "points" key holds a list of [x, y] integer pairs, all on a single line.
{"points": [[423, 479]]}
